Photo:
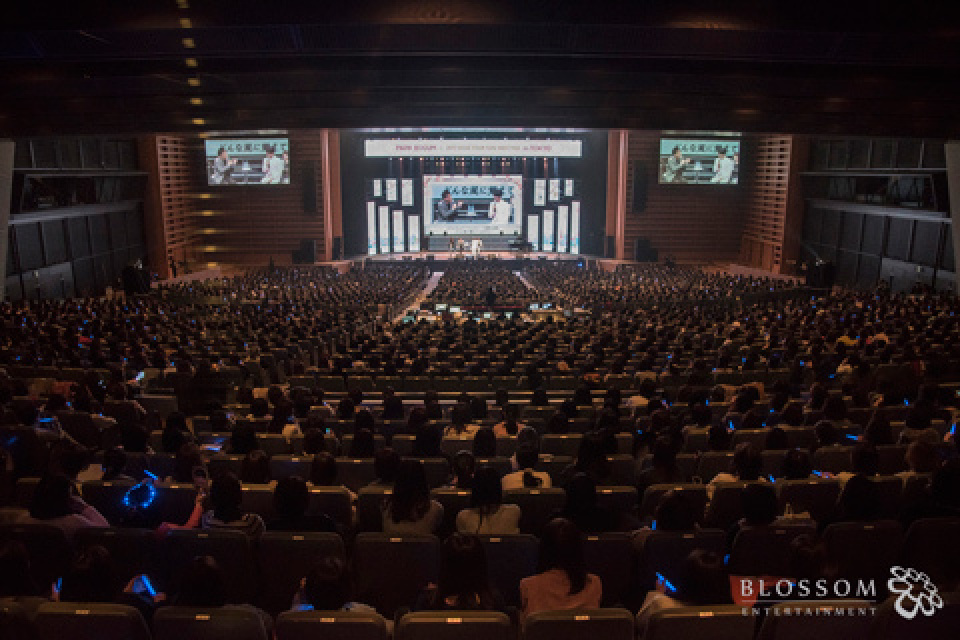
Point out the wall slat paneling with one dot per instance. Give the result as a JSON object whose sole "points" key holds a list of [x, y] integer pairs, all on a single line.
{"points": [[693, 223], [765, 224]]}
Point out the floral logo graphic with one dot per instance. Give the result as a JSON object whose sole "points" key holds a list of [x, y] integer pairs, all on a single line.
{"points": [[915, 592]]}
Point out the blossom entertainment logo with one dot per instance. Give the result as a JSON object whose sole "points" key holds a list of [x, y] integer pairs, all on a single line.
{"points": [[915, 592]]}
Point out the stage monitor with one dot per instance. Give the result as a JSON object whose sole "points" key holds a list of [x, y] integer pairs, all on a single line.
{"points": [[247, 161], [472, 205], [701, 160], [454, 309], [440, 306]]}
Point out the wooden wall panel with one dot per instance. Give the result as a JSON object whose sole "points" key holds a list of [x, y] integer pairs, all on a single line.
{"points": [[693, 223], [247, 226]]}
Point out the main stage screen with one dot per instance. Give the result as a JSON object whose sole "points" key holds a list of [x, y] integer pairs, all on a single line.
{"points": [[702, 160], [243, 161], [473, 208]]}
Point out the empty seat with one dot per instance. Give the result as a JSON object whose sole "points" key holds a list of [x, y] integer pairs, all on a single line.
{"points": [[509, 560], [560, 444], [454, 625], [179, 623], [537, 506], [72, 621], [230, 548], [663, 552], [618, 499], [285, 558], [765, 551], [609, 557], [721, 622], [330, 625], [389, 571], [609, 624], [816, 497], [780, 625]]}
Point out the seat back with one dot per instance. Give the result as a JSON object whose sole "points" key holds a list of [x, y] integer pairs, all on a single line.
{"points": [[15, 624], [722, 622], [537, 506], [509, 560], [332, 501], [833, 459], [230, 548], [864, 550], [178, 623], [560, 444], [780, 625], [609, 557], [818, 497], [765, 550], [355, 473], [663, 552], [330, 625], [47, 546], [453, 502], [283, 466], [610, 624], [714, 462], [391, 570], [285, 558], [930, 546], [80, 621], [726, 508], [618, 499], [942, 625], [133, 551], [695, 493], [453, 625]]}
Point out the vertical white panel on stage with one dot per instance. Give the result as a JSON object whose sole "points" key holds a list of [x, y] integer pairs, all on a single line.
{"points": [[377, 188], [533, 231], [575, 226], [391, 188], [548, 230], [384, 229], [554, 189], [562, 212], [398, 231], [568, 187], [539, 193], [413, 233], [371, 228], [406, 192]]}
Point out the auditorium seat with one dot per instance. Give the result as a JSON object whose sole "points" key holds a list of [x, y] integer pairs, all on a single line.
{"points": [[47, 546], [453, 502], [332, 501], [663, 552], [714, 462], [817, 497], [930, 545], [864, 550], [370, 502], [231, 549], [718, 622], [133, 551], [437, 471], [355, 473], [610, 557], [15, 621], [537, 506], [833, 459], [560, 444], [285, 558], [283, 466], [618, 499], [824, 625], [759, 551], [391, 570], [726, 507], [83, 621], [892, 458], [330, 625], [695, 493], [509, 560], [107, 498], [609, 624], [179, 623], [888, 624], [454, 625]]}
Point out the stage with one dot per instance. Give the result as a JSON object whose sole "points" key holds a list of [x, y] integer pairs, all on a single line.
{"points": [[451, 256]]}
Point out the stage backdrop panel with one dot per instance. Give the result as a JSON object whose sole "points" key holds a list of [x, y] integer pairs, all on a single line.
{"points": [[562, 221], [384, 217], [371, 228], [413, 233], [575, 226], [548, 230], [533, 231], [398, 230]]}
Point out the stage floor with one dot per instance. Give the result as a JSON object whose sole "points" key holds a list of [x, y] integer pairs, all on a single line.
{"points": [[466, 255]]}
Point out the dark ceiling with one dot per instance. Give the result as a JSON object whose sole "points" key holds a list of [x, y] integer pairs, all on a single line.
{"points": [[192, 65]]}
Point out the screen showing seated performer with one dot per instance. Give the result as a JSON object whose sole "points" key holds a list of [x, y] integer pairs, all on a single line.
{"points": [[699, 161], [472, 205], [242, 161]]}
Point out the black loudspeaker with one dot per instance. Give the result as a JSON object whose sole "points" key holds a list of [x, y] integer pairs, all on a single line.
{"points": [[337, 248], [135, 281], [639, 203], [611, 247], [643, 251], [307, 254], [308, 181], [821, 275]]}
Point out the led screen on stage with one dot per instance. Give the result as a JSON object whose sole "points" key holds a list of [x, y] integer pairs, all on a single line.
{"points": [[468, 205], [247, 161], [699, 161]]}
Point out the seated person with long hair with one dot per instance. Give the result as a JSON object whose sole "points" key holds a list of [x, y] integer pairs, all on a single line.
{"points": [[563, 582], [487, 513], [410, 510], [464, 582]]}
